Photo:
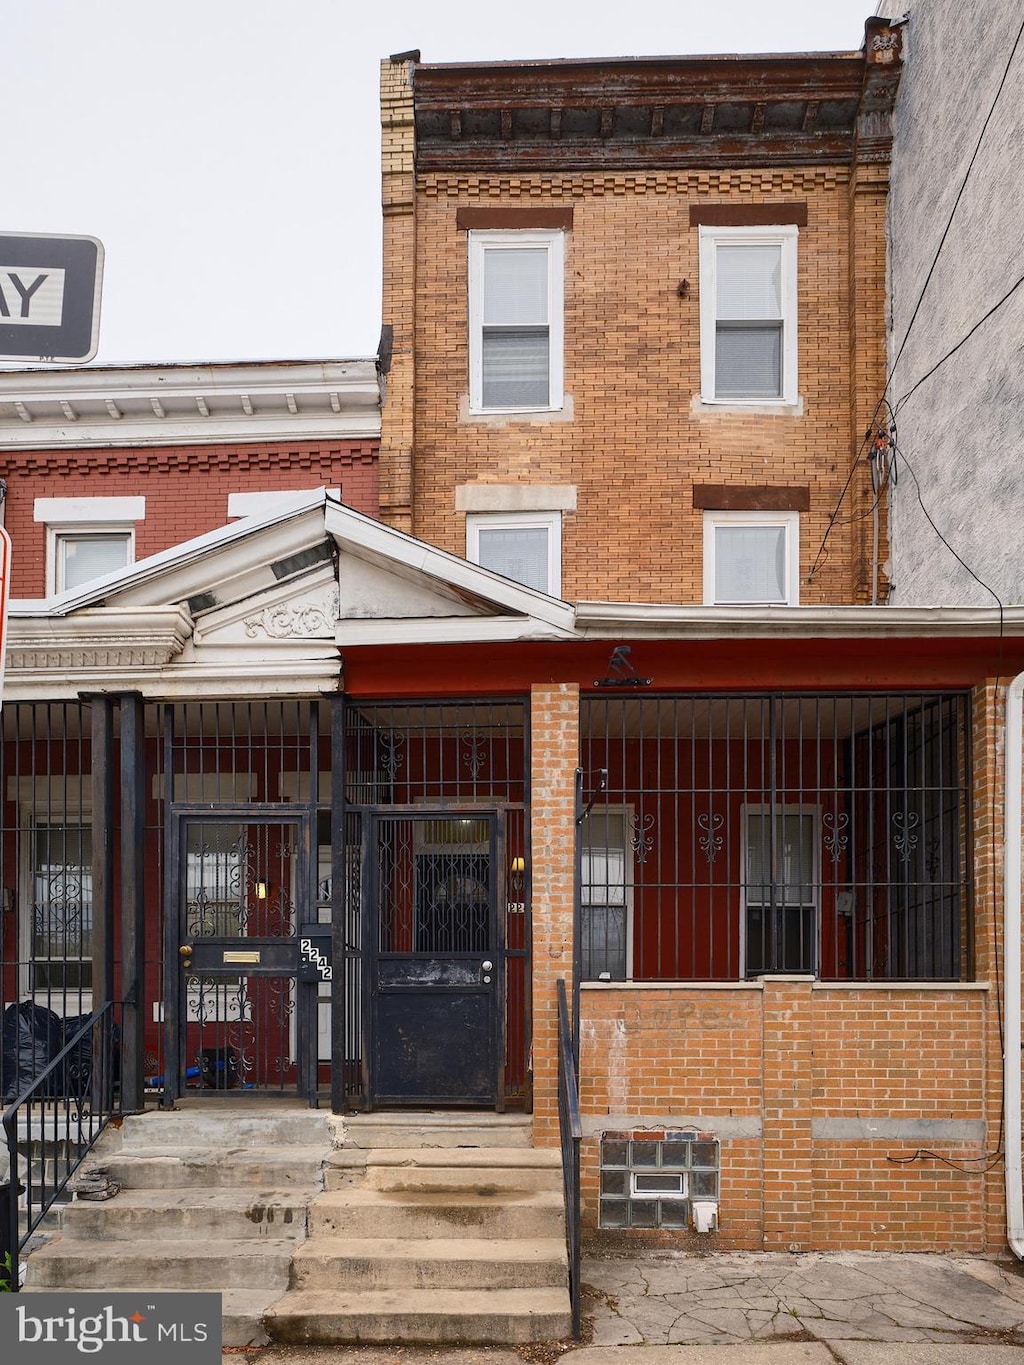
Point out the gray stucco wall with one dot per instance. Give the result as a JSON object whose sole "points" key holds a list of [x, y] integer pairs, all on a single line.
{"points": [[962, 430]]}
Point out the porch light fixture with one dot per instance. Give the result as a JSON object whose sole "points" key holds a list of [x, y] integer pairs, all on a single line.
{"points": [[261, 891]]}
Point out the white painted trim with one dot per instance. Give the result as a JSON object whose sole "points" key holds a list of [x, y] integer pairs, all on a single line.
{"points": [[553, 241], [445, 630], [58, 536], [711, 238], [905, 987], [789, 522], [75, 511], [515, 497], [600, 620], [262, 504], [551, 522], [757, 985]]}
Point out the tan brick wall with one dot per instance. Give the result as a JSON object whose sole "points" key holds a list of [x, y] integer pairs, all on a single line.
{"points": [[554, 749], [634, 447], [798, 1060]]}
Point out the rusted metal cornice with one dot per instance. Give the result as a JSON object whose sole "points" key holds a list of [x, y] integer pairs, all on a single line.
{"points": [[665, 113]]}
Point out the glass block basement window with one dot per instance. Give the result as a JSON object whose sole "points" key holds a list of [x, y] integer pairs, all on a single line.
{"points": [[649, 1180]]}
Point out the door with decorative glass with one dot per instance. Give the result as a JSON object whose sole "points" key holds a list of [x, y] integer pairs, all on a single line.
{"points": [[237, 1015]]}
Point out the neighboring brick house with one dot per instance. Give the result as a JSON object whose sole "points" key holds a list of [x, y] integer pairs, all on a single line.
{"points": [[603, 691]]}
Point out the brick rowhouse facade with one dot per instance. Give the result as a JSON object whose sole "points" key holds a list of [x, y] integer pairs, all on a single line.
{"points": [[848, 1114]]}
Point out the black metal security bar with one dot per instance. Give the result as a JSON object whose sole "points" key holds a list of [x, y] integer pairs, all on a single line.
{"points": [[739, 835], [56, 1120], [570, 1129]]}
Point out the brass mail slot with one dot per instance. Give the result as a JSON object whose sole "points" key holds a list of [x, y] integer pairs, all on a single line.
{"points": [[242, 957]]}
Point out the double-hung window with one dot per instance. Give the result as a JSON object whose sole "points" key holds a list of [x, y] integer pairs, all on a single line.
{"points": [[515, 320], [87, 538], [780, 889], [523, 546], [752, 559], [748, 297]]}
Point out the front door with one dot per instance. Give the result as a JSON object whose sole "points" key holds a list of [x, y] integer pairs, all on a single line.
{"points": [[436, 986], [239, 1013]]}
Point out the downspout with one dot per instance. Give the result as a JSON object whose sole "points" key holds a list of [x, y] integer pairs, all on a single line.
{"points": [[1012, 967]]}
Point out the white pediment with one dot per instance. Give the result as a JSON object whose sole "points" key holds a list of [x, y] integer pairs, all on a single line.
{"points": [[372, 592]]}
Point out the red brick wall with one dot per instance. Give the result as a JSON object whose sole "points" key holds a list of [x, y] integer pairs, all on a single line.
{"points": [[186, 488]]}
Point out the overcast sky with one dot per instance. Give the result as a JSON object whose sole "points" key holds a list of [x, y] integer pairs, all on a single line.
{"points": [[225, 152]]}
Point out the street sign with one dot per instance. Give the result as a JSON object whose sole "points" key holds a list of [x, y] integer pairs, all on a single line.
{"points": [[49, 296]]}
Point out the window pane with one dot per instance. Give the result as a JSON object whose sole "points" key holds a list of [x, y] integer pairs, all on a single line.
{"points": [[516, 367], [748, 360], [750, 564], [603, 935], [516, 286], [84, 558], [520, 553], [62, 907], [749, 280]]}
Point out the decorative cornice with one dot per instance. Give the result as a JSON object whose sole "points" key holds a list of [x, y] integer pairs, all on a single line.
{"points": [[670, 112], [153, 405], [325, 457], [110, 638]]}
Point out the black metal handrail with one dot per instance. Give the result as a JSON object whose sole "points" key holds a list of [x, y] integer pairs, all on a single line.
{"points": [[570, 1129], [62, 1113]]}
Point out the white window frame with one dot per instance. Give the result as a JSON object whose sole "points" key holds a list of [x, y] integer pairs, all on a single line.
{"points": [[520, 521], [81, 519], [790, 524], [762, 809], [553, 241], [627, 814], [711, 238]]}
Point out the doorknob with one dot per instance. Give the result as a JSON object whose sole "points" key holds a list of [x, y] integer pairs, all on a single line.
{"points": [[185, 951], [487, 966]]}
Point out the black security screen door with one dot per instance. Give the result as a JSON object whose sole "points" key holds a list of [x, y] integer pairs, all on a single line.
{"points": [[435, 998]]}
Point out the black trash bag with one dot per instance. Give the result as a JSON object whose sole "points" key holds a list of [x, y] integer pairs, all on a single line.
{"points": [[32, 1036], [74, 1075]]}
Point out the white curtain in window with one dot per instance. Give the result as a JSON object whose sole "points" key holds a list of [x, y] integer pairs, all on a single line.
{"points": [[515, 341], [515, 287], [750, 564], [793, 876], [748, 342], [87, 557], [517, 552]]}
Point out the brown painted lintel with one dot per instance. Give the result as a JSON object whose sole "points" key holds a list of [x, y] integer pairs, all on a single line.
{"points": [[510, 217], [724, 497], [748, 215]]}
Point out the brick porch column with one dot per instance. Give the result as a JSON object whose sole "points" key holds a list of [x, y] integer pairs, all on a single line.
{"points": [[554, 750], [788, 1182]]}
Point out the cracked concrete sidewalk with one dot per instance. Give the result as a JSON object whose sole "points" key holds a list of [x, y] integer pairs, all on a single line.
{"points": [[841, 1300], [747, 1308]]}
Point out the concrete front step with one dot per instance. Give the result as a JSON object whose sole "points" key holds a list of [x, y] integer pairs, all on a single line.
{"points": [[362, 1212], [242, 1213], [243, 1309], [211, 1124], [212, 1263], [482, 1170], [438, 1263], [464, 1316], [269, 1167], [441, 1129]]}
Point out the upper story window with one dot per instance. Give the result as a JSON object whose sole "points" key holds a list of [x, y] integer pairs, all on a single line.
{"points": [[748, 314], [524, 546], [515, 320], [752, 559], [87, 538]]}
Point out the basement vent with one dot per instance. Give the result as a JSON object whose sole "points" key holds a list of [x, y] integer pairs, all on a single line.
{"points": [[305, 559], [202, 601], [648, 1180]]}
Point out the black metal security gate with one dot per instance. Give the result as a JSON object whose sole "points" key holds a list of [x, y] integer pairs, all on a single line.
{"points": [[240, 1014], [436, 990]]}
